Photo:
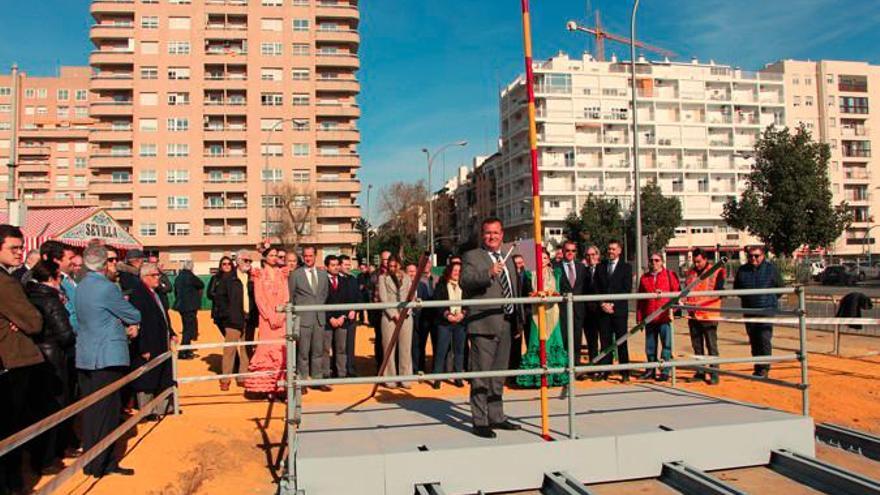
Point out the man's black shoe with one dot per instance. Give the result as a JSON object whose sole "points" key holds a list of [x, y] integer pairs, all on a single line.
{"points": [[484, 432], [118, 470], [436, 385], [699, 377], [458, 383], [624, 377], [648, 375], [598, 377], [714, 380], [662, 377], [506, 425]]}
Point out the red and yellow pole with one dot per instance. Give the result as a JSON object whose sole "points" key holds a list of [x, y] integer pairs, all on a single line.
{"points": [[536, 213]]}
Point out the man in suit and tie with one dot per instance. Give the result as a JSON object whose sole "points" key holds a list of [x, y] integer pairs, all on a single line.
{"points": [[338, 322], [615, 277], [308, 285], [574, 279], [592, 312], [486, 275]]}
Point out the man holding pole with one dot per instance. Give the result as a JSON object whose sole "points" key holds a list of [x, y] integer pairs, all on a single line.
{"points": [[487, 273]]}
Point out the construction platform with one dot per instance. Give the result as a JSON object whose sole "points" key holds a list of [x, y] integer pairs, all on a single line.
{"points": [[623, 433]]}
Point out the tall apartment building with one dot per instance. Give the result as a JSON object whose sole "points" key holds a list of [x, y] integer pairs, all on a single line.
{"points": [[697, 124], [53, 135], [205, 108], [831, 98]]}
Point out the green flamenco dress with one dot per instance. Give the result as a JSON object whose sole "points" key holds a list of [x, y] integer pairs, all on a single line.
{"points": [[557, 356]]}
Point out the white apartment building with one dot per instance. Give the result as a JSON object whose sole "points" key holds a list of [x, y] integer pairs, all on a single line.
{"points": [[698, 123]]}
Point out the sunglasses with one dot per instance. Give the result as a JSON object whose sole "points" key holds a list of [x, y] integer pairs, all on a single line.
{"points": [[226, 263], [571, 250], [246, 261], [755, 256]]}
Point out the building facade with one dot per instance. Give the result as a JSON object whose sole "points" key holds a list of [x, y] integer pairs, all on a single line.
{"points": [[698, 123], [832, 100], [215, 118]]}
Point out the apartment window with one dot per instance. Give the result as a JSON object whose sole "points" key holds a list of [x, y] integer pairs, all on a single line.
{"points": [[149, 73], [148, 150], [301, 3], [178, 73], [174, 150], [30, 93], [796, 101], [178, 228], [5, 108], [271, 99], [62, 162], [808, 101], [80, 112], [79, 162], [147, 176], [63, 94], [300, 149], [80, 181], [831, 101], [178, 48], [178, 99], [269, 124], [80, 147], [300, 74], [5, 91], [42, 111], [271, 74], [300, 24], [272, 175], [42, 93], [150, 47], [301, 49], [63, 147], [178, 22], [81, 95], [214, 202], [853, 104], [272, 24], [301, 176], [808, 81], [63, 112], [150, 22], [178, 124], [300, 99], [148, 203], [832, 122], [178, 202], [62, 180], [795, 80], [148, 125], [149, 99], [120, 177], [270, 48], [272, 149], [829, 79], [328, 151], [148, 229], [237, 176], [272, 3], [179, 176]]}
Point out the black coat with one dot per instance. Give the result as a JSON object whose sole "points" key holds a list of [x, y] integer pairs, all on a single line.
{"points": [[187, 292], [620, 282], [152, 338], [212, 295], [164, 289], [579, 289], [56, 340], [851, 306], [441, 293], [346, 292], [229, 299], [591, 287]]}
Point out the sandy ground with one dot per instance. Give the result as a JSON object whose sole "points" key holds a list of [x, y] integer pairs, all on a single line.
{"points": [[224, 443]]}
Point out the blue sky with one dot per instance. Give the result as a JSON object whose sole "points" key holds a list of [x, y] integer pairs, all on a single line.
{"points": [[431, 69]]}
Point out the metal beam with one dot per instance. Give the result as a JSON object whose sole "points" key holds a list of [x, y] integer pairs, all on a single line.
{"points": [[821, 476], [429, 489], [848, 439], [691, 481], [562, 483]]}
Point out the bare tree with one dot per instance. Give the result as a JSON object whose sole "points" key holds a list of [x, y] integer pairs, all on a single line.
{"points": [[295, 206], [403, 206]]}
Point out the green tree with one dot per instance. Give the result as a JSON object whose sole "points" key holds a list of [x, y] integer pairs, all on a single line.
{"points": [[787, 201], [600, 220], [661, 215]]}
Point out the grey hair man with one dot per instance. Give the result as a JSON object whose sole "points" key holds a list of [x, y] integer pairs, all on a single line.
{"points": [[308, 285], [187, 301]]}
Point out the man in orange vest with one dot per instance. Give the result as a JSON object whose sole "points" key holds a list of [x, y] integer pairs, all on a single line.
{"points": [[703, 325]]}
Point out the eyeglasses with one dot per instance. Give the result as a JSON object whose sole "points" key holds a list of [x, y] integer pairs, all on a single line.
{"points": [[571, 250], [755, 256], [112, 260], [246, 261]]}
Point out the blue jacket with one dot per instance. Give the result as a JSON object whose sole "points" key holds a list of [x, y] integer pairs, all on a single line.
{"points": [[765, 276], [103, 315], [69, 288]]}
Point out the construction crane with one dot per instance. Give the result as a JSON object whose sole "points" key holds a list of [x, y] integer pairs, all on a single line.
{"points": [[601, 35]]}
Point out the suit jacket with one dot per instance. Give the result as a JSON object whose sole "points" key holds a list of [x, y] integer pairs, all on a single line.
{"points": [[525, 290], [580, 283], [16, 348], [477, 284], [152, 337], [187, 292], [301, 293], [591, 287], [346, 292], [620, 282], [103, 314], [390, 292], [229, 303]]}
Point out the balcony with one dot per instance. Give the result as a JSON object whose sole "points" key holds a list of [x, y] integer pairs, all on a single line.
{"points": [[339, 85], [858, 175], [34, 167], [112, 31], [112, 81], [113, 57], [224, 133], [340, 237], [38, 150], [110, 162], [112, 7], [856, 152], [54, 133], [225, 160], [99, 186], [108, 135], [338, 36], [225, 186], [345, 135], [338, 185], [345, 60], [110, 108], [337, 11], [342, 211], [337, 110], [338, 161], [853, 87], [224, 211]]}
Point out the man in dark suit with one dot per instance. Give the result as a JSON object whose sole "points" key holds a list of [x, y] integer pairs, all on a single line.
{"points": [[187, 301], [523, 329], [592, 312], [573, 280], [338, 322], [353, 295], [615, 277], [486, 275]]}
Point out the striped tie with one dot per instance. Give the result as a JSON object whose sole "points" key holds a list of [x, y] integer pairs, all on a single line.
{"points": [[505, 286]]}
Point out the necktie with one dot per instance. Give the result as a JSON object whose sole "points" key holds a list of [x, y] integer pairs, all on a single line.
{"points": [[611, 268], [335, 283], [312, 280], [569, 267], [505, 286]]}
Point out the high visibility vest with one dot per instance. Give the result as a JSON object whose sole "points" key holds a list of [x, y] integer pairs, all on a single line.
{"points": [[704, 301]]}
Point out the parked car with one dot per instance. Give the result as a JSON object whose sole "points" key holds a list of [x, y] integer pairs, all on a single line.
{"points": [[839, 275], [863, 270]]}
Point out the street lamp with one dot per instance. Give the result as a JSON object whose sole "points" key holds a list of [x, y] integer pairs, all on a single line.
{"points": [[300, 124], [430, 156], [635, 137], [369, 189]]}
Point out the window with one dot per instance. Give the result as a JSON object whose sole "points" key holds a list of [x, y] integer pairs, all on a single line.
{"points": [[80, 147], [149, 99], [148, 229], [300, 149], [328, 150], [81, 95], [148, 125], [808, 81], [853, 104], [147, 176], [178, 48], [272, 201], [148, 203], [272, 3], [178, 124], [300, 74], [150, 47], [79, 162], [150, 22], [796, 101], [178, 228], [30, 93], [269, 124], [62, 162], [237, 176], [42, 93], [301, 176], [832, 122], [80, 112], [5, 108], [808, 101], [149, 73], [63, 94], [829, 78], [177, 150], [300, 24], [272, 149], [270, 48], [795, 80], [148, 150], [80, 181], [300, 49], [63, 112], [271, 74], [120, 177], [62, 180], [272, 24], [300, 3], [271, 99], [272, 175], [178, 99], [214, 202], [42, 111], [178, 22], [5, 91], [180, 176], [300, 99], [178, 202], [178, 73]]}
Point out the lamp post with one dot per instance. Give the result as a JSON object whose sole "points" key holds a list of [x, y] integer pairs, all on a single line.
{"points": [[300, 124], [635, 138], [369, 189], [430, 156]]}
